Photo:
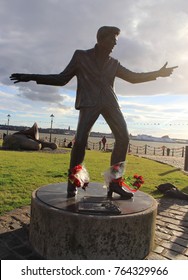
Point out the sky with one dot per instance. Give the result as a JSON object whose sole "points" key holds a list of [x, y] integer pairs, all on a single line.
{"points": [[41, 36]]}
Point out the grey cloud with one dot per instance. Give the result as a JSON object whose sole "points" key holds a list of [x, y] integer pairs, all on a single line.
{"points": [[41, 93], [41, 36]]}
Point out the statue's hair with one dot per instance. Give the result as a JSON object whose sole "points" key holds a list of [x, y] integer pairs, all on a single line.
{"points": [[105, 31]]}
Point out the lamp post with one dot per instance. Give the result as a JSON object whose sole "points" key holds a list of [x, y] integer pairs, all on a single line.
{"points": [[8, 116], [52, 116]]}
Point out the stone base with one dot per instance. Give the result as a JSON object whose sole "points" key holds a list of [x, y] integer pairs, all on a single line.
{"points": [[59, 230]]}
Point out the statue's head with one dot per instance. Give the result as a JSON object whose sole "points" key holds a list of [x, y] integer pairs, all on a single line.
{"points": [[106, 31], [107, 37]]}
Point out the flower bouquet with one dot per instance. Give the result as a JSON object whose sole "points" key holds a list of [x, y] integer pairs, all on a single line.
{"points": [[115, 174], [79, 176]]}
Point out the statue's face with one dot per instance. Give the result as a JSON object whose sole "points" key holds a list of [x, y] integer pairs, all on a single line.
{"points": [[108, 43]]}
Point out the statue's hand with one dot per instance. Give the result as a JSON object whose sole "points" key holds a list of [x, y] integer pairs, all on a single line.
{"points": [[19, 77], [165, 72]]}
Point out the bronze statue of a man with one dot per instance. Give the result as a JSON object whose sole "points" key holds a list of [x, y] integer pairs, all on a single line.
{"points": [[96, 71]]}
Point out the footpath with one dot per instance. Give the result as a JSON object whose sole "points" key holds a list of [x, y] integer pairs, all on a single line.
{"points": [[177, 162], [171, 233]]}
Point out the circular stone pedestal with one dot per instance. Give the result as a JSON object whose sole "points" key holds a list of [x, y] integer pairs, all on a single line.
{"points": [[65, 228]]}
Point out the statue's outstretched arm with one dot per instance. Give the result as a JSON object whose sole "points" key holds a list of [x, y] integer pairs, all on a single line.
{"points": [[134, 77], [166, 71], [49, 79], [20, 77]]}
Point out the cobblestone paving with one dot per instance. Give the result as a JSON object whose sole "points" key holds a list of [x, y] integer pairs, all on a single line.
{"points": [[171, 238], [171, 235]]}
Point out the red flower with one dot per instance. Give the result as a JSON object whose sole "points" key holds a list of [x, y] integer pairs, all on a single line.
{"points": [[77, 183], [136, 184], [71, 177], [116, 167], [76, 169], [77, 179]]}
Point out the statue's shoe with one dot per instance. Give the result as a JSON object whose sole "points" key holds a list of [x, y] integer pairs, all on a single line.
{"points": [[71, 190], [71, 193], [117, 188]]}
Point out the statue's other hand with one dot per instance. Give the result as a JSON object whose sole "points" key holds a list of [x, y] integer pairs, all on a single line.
{"points": [[165, 72], [19, 77]]}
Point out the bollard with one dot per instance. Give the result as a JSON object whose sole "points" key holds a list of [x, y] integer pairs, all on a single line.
{"points": [[129, 148], [183, 151], [186, 159], [145, 149]]}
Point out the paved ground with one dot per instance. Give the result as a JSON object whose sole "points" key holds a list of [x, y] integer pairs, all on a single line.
{"points": [[171, 236], [177, 162], [171, 239]]}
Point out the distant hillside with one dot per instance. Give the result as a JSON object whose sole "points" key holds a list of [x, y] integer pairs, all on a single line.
{"points": [[53, 130]]}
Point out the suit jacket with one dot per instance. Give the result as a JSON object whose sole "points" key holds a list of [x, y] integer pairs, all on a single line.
{"points": [[94, 84]]}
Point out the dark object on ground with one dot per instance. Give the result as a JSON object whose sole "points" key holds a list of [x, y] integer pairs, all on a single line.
{"points": [[170, 190]]}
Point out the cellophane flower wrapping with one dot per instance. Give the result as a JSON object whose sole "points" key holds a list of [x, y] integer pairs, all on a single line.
{"points": [[79, 176], [114, 172]]}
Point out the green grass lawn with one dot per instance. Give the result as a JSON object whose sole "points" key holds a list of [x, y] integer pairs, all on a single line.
{"points": [[23, 172]]}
